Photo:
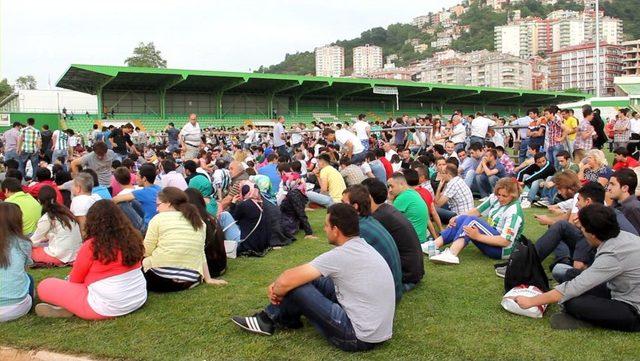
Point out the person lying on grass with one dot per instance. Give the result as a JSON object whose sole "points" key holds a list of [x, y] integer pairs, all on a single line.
{"points": [[607, 294], [496, 236], [352, 307]]}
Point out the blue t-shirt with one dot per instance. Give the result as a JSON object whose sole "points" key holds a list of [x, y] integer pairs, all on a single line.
{"points": [[147, 197], [14, 281], [102, 192], [271, 171]]}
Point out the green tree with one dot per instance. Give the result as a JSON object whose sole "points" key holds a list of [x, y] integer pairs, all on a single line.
{"points": [[146, 55], [26, 82], [5, 89]]}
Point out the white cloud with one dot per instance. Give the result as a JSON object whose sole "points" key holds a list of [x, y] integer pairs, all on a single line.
{"points": [[43, 38]]}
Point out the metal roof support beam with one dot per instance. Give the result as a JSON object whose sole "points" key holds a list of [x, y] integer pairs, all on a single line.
{"points": [[417, 92], [293, 84], [353, 91], [163, 94], [512, 96], [467, 94], [218, 93], [98, 91], [553, 97], [316, 87]]}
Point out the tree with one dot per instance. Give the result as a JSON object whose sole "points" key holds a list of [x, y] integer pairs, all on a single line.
{"points": [[27, 82], [5, 89], [146, 55]]}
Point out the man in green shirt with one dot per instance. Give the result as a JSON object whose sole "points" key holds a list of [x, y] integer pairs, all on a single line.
{"points": [[31, 209], [409, 203]]}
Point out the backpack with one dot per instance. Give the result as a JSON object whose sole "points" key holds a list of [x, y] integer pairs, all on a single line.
{"points": [[524, 267]]}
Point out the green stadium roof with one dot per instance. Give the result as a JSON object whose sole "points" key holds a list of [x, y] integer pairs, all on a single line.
{"points": [[93, 78]]}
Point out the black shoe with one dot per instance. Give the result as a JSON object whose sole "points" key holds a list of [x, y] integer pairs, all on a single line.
{"points": [[259, 323], [564, 321]]}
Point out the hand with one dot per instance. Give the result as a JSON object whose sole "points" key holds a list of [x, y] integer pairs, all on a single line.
{"points": [[542, 219], [273, 298], [524, 302], [452, 221], [310, 236], [472, 232], [579, 265]]}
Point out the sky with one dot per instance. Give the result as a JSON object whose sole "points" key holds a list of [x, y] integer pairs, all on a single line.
{"points": [[42, 38]]}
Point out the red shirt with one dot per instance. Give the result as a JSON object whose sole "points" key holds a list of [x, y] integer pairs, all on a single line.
{"points": [[34, 189], [87, 270], [387, 167], [425, 194], [630, 162]]}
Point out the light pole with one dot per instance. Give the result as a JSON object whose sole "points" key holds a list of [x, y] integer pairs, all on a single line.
{"points": [[597, 48]]}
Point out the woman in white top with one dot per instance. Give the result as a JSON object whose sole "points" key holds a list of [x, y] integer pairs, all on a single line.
{"points": [[57, 237], [437, 135]]}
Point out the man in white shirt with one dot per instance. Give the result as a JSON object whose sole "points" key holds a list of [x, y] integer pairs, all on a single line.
{"points": [[82, 198], [191, 138], [479, 127], [363, 130], [634, 122], [389, 152], [349, 143], [458, 133], [251, 138], [279, 137]]}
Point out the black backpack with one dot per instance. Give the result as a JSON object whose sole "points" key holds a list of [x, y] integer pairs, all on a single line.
{"points": [[524, 267]]}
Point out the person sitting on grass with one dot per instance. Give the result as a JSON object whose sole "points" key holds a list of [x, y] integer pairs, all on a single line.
{"points": [[147, 195], [594, 168], [549, 190], [374, 233], [621, 190], [496, 236], [453, 193], [532, 176], [402, 232], [174, 244], [409, 203], [105, 280], [17, 286], [331, 183], [622, 159], [488, 172], [352, 307], [57, 236], [606, 294], [30, 208]]}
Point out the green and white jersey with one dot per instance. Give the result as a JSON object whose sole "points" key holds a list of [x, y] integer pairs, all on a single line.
{"points": [[508, 220], [62, 140]]}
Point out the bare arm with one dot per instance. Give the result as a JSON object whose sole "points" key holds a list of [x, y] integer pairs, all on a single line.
{"points": [[293, 278], [123, 198]]}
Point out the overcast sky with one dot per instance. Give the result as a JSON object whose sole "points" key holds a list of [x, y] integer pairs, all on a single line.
{"points": [[43, 38]]}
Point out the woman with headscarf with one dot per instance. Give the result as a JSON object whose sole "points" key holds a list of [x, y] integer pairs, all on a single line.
{"points": [[279, 238], [292, 209], [248, 213]]}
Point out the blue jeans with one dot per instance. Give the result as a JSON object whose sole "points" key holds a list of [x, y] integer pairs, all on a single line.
{"points": [[172, 147], [485, 184], [318, 303], [321, 199], [59, 153], [469, 177], [552, 152], [476, 139], [24, 157], [522, 152], [445, 215], [549, 193], [11, 154], [358, 158], [533, 190], [229, 227], [365, 144], [282, 150]]}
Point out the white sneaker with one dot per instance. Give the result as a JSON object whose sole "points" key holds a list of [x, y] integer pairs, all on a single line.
{"points": [[525, 203], [446, 257]]}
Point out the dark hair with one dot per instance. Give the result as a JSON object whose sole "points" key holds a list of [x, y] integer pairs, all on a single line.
{"points": [[439, 148], [324, 157], [10, 227], [214, 241], [31, 121], [178, 200], [148, 171], [345, 161], [55, 211], [454, 161], [11, 184], [533, 110], [122, 175], [412, 177], [100, 148], [564, 154], [62, 177], [168, 165], [500, 149], [599, 220], [359, 194], [379, 152], [93, 175], [116, 163], [345, 218], [621, 151], [190, 165], [627, 177], [11, 164], [43, 174], [112, 232], [327, 131], [539, 155], [296, 166], [592, 190], [377, 190]]}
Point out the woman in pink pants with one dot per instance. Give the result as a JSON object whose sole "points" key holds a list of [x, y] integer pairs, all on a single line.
{"points": [[106, 279]]}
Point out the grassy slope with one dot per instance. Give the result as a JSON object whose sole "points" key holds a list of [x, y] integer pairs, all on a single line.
{"points": [[454, 314]]}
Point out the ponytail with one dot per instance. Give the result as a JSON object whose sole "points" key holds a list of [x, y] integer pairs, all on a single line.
{"points": [[180, 202], [190, 212]]}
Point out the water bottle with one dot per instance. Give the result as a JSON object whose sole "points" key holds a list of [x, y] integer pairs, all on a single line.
{"points": [[431, 248]]}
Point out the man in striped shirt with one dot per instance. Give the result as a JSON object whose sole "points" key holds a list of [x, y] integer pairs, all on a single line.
{"points": [[29, 144], [60, 145]]}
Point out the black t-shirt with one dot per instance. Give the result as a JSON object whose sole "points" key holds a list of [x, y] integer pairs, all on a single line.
{"points": [[172, 135], [406, 238], [46, 139], [121, 141]]}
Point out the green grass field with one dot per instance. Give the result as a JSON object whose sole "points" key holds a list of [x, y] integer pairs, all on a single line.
{"points": [[454, 313]]}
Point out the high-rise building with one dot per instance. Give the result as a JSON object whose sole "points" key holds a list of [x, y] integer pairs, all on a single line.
{"points": [[518, 39], [479, 68], [330, 61], [631, 58], [574, 67], [568, 32], [366, 60], [611, 29]]}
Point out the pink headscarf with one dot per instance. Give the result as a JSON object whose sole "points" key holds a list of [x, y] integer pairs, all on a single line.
{"points": [[249, 191]]}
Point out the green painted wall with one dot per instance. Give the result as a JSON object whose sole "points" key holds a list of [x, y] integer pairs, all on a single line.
{"points": [[51, 119]]}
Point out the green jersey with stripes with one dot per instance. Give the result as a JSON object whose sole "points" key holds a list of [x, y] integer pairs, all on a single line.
{"points": [[508, 220], [62, 140]]}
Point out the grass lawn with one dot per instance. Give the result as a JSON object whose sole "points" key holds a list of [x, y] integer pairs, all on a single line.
{"points": [[454, 313]]}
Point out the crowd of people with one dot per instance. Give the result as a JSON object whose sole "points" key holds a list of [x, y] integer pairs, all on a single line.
{"points": [[132, 213]]}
